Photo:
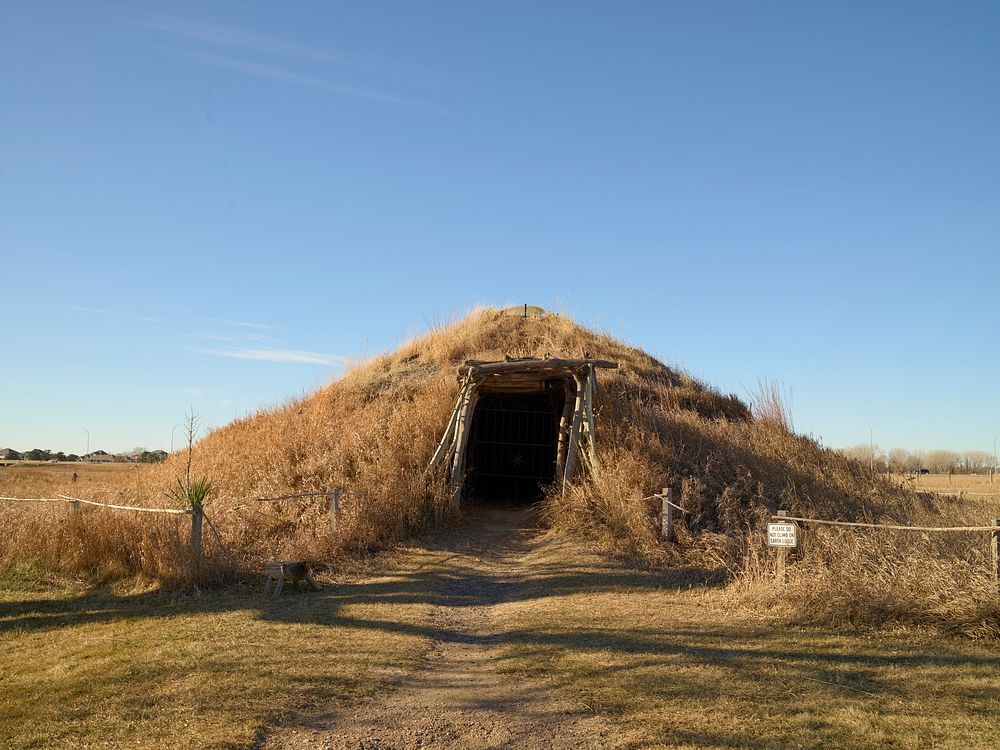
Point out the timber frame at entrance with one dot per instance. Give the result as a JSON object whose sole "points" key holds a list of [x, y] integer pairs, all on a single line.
{"points": [[576, 377]]}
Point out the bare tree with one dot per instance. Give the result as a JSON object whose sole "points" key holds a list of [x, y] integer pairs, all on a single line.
{"points": [[975, 461], [942, 461], [899, 460]]}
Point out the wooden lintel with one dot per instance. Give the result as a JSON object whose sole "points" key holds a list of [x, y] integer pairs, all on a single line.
{"points": [[520, 385], [565, 366]]}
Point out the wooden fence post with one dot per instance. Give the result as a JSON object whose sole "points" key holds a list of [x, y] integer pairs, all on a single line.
{"points": [[74, 509], [197, 515], [995, 553], [780, 567], [334, 509], [667, 516]]}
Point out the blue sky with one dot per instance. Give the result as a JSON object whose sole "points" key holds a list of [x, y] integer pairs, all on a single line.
{"points": [[216, 205]]}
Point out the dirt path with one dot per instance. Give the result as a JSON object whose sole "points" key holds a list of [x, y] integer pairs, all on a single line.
{"points": [[458, 699]]}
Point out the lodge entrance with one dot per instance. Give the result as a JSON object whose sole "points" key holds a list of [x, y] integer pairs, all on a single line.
{"points": [[513, 446], [519, 424]]}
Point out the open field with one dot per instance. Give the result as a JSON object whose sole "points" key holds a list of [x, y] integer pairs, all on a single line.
{"points": [[46, 479], [955, 483], [496, 636]]}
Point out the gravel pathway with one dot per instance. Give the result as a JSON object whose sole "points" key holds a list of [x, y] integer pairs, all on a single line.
{"points": [[458, 699]]}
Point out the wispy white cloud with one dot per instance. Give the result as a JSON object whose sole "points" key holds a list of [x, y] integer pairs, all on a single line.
{"points": [[228, 36], [283, 75], [277, 355], [257, 337], [210, 336], [115, 313], [215, 44], [244, 324]]}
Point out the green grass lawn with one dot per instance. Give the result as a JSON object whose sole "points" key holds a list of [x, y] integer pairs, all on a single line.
{"points": [[83, 669], [662, 655], [681, 671]]}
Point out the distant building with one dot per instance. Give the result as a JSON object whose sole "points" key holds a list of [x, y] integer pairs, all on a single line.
{"points": [[99, 457], [9, 454]]}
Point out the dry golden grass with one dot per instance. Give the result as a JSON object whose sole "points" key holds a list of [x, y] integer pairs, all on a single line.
{"points": [[940, 581], [26, 479], [955, 483]]}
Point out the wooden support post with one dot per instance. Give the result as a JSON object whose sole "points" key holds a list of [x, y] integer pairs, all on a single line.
{"points": [[564, 424], [74, 509], [444, 446], [588, 421], [667, 519], [574, 432], [995, 553], [463, 429], [197, 516], [334, 509], [780, 567]]}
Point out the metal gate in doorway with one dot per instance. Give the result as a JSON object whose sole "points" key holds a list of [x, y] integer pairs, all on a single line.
{"points": [[513, 447]]}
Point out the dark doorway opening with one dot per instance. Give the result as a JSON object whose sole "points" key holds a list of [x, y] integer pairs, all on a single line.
{"points": [[513, 446]]}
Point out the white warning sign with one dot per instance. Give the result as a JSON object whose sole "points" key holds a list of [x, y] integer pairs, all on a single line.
{"points": [[782, 535]]}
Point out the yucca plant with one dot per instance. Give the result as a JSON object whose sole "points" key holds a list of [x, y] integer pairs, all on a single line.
{"points": [[192, 492]]}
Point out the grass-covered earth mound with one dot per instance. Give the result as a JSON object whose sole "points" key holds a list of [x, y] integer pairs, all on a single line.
{"points": [[372, 432]]}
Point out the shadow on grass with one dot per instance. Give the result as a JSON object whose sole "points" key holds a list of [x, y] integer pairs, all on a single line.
{"points": [[450, 587], [446, 575]]}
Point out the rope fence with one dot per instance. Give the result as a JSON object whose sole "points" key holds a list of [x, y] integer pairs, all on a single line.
{"points": [[139, 509], [325, 493], [961, 492], [782, 547], [68, 499], [858, 524], [197, 514]]}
